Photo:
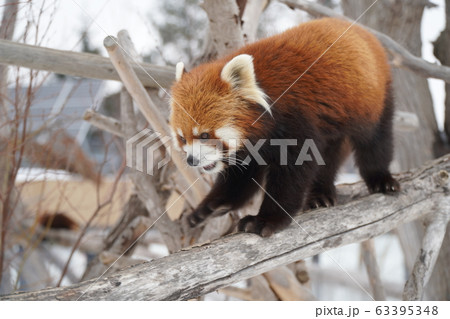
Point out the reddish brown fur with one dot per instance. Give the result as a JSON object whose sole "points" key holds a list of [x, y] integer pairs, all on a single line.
{"points": [[329, 82], [362, 68]]}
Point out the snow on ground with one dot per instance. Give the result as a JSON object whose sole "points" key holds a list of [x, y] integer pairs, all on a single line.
{"points": [[31, 174]]}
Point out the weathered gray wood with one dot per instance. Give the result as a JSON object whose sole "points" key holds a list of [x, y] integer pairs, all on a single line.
{"points": [[199, 270], [286, 286], [373, 272], [146, 186], [79, 64], [224, 25], [436, 226], [250, 18], [405, 121], [103, 122], [151, 113]]}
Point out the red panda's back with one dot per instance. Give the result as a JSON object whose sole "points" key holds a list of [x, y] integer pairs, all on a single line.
{"points": [[327, 66]]}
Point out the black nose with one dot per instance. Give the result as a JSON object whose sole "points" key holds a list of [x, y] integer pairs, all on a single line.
{"points": [[192, 161]]}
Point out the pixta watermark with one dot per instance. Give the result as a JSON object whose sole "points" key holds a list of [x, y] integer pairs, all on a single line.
{"points": [[143, 151]]}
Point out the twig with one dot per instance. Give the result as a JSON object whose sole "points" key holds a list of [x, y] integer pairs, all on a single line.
{"points": [[89, 222], [103, 122]]}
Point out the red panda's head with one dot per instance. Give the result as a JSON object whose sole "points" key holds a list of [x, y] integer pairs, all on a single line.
{"points": [[213, 110]]}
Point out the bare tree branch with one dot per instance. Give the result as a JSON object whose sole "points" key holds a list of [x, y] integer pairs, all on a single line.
{"points": [[286, 286], [146, 185], [199, 270], [151, 113], [7, 27], [250, 18], [103, 122], [436, 226], [224, 25], [84, 65], [373, 272]]}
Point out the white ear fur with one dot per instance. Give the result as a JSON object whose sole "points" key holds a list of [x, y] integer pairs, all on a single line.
{"points": [[239, 72], [179, 70]]}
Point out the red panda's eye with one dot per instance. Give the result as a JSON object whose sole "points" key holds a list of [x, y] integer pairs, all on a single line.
{"points": [[204, 136], [183, 140]]}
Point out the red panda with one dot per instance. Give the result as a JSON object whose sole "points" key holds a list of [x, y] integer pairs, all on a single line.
{"points": [[323, 81]]}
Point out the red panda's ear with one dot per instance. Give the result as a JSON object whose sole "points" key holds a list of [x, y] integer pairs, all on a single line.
{"points": [[179, 71], [240, 74]]}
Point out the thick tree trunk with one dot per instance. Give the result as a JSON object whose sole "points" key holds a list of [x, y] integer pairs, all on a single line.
{"points": [[442, 52], [402, 22]]}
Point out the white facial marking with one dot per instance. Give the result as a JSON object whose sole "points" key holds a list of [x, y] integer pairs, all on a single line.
{"points": [[180, 132], [195, 131], [175, 139], [179, 70], [240, 73], [229, 135]]}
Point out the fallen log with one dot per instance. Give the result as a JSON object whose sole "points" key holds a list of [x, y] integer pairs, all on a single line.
{"points": [[196, 271]]}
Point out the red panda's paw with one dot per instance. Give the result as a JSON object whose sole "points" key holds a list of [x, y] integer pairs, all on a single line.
{"points": [[316, 200], [194, 220], [259, 226], [383, 184], [198, 216]]}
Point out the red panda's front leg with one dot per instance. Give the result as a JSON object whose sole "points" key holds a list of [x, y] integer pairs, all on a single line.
{"points": [[284, 193], [231, 190]]}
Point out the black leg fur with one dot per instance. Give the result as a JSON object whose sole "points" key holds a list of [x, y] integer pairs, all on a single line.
{"points": [[283, 199], [323, 191], [286, 185], [231, 190], [374, 153]]}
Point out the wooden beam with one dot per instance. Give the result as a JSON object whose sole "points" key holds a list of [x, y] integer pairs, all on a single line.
{"points": [[84, 65]]}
